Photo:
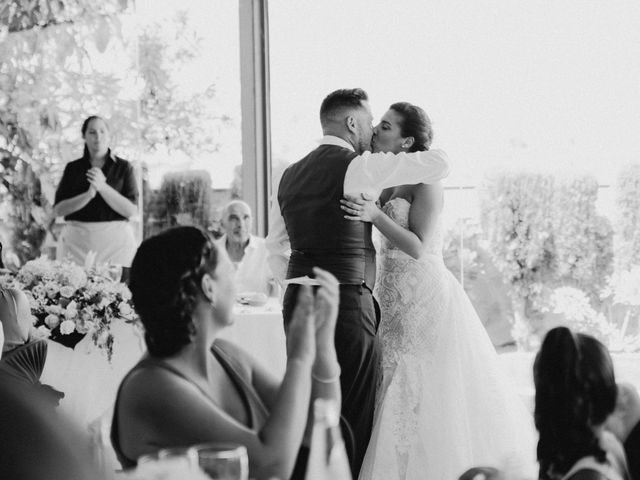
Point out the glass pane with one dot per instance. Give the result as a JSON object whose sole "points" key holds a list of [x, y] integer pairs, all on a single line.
{"points": [[509, 88], [165, 77]]}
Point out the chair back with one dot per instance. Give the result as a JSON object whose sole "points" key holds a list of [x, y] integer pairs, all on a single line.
{"points": [[25, 362]]}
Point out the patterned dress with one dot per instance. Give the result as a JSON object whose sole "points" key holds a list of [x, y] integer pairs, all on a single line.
{"points": [[444, 404]]}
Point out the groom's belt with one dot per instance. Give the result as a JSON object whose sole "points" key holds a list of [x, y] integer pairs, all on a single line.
{"points": [[349, 266]]}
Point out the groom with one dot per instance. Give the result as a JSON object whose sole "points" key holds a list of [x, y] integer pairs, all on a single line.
{"points": [[306, 220]]}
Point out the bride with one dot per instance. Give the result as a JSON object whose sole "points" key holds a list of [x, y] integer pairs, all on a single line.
{"points": [[444, 404]]}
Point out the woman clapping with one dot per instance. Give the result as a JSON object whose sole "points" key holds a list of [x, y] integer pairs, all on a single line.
{"points": [[193, 387]]}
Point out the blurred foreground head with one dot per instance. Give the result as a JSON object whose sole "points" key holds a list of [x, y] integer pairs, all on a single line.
{"points": [[36, 443], [575, 393]]}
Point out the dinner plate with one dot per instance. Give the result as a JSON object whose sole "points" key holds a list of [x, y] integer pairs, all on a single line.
{"points": [[255, 299]]}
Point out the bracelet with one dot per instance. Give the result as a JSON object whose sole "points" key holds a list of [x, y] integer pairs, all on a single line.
{"points": [[331, 379]]}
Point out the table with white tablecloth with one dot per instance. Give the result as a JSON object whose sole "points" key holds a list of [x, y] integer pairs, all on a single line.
{"points": [[260, 331], [90, 382]]}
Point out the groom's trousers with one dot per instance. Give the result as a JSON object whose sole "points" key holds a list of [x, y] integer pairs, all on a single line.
{"points": [[359, 355]]}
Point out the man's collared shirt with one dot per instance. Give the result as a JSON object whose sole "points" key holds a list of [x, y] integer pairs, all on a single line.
{"points": [[367, 174], [252, 272]]}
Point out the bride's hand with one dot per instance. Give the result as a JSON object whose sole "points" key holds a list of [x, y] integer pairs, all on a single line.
{"points": [[359, 209]]}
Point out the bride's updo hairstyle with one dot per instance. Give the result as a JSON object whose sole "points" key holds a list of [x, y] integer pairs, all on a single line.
{"points": [[165, 282], [416, 124], [575, 393]]}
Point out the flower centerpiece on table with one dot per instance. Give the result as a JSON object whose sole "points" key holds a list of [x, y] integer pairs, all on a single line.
{"points": [[65, 300]]}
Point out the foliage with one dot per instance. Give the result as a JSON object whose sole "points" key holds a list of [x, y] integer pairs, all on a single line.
{"points": [[172, 118], [575, 306], [63, 60], [582, 240], [455, 254], [185, 197], [65, 299], [623, 291], [551, 246], [627, 222], [46, 79], [17, 15], [515, 219]]}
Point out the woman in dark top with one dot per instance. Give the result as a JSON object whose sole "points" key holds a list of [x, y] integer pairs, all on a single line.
{"points": [[97, 195], [193, 387], [575, 394]]}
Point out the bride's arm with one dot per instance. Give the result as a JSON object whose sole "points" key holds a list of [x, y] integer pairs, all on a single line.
{"points": [[423, 214]]}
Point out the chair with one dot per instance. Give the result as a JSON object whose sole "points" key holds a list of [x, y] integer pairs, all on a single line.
{"points": [[25, 364]]}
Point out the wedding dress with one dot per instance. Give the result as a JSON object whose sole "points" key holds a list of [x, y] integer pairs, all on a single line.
{"points": [[444, 404]]}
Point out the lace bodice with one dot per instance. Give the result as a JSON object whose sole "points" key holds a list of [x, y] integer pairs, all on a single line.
{"points": [[398, 210]]}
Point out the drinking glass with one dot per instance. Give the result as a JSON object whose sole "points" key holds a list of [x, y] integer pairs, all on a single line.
{"points": [[148, 458], [222, 461], [186, 456]]}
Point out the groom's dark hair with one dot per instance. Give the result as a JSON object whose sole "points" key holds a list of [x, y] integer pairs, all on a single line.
{"points": [[336, 102]]}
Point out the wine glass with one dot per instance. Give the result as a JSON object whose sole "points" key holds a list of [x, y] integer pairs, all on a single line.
{"points": [[185, 456], [223, 461]]}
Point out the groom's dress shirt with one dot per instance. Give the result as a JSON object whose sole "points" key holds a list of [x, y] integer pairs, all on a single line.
{"points": [[367, 174]]}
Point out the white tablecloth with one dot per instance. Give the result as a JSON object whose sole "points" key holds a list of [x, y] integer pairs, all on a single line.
{"points": [[260, 331], [89, 381]]}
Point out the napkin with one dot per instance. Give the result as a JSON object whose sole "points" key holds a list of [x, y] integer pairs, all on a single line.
{"points": [[306, 280]]}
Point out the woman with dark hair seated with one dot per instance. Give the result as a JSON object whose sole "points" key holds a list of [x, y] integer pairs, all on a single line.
{"points": [[575, 394], [193, 387]]}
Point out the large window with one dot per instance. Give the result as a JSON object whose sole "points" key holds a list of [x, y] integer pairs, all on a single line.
{"points": [[164, 74], [510, 87]]}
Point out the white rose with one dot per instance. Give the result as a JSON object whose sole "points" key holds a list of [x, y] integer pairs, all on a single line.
{"points": [[67, 327], [52, 321], [125, 309], [67, 291], [38, 291], [52, 289], [54, 309], [70, 313]]}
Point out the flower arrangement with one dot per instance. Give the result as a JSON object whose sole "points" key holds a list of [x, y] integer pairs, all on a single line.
{"points": [[65, 299]]}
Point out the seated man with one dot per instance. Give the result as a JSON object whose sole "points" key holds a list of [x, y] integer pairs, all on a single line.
{"points": [[247, 252]]}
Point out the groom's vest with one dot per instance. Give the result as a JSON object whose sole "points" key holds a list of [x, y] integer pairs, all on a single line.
{"points": [[309, 197]]}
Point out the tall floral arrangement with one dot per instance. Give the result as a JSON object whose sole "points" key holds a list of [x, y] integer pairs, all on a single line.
{"points": [[65, 299]]}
